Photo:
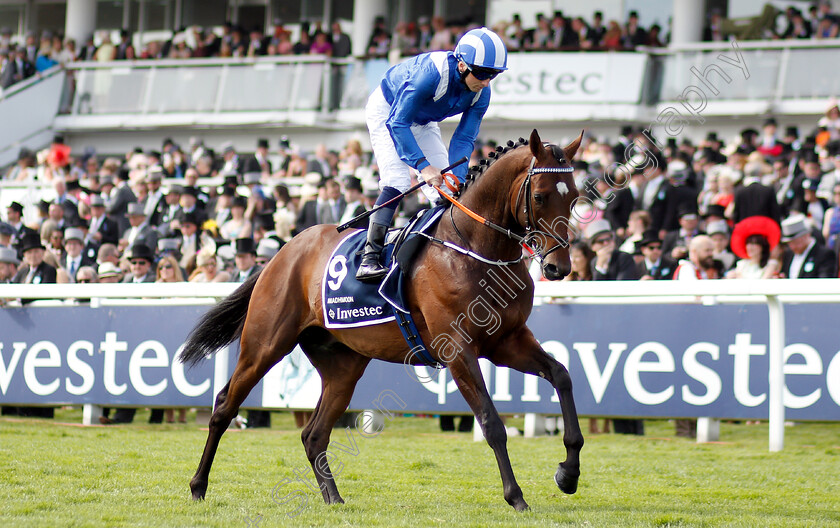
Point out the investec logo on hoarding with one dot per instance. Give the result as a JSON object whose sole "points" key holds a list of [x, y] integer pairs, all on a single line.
{"points": [[570, 77]]}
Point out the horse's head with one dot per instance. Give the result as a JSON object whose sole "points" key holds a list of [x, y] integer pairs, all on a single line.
{"points": [[543, 203]]}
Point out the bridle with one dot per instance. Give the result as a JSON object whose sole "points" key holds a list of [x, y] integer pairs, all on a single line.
{"points": [[530, 240], [532, 233]]}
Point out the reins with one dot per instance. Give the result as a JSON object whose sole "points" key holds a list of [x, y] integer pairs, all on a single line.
{"points": [[530, 232]]}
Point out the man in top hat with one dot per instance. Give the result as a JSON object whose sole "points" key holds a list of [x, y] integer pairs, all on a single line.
{"points": [[655, 265], [246, 259], [191, 204], [6, 234], [354, 198], [718, 231], [102, 230], [259, 162], [754, 199], [232, 162], [155, 202], [75, 256], [121, 196], [8, 265], [141, 259], [190, 236], [34, 270], [609, 263], [14, 216], [266, 249], [804, 257], [139, 231]]}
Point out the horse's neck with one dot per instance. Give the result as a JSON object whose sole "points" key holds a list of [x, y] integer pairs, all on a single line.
{"points": [[489, 196]]}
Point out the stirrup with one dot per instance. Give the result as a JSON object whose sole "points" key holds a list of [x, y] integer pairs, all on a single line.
{"points": [[371, 272]]}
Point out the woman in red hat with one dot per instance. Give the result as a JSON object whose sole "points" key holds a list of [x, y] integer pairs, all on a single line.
{"points": [[753, 240]]}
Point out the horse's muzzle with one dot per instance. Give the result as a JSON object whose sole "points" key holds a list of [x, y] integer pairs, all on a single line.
{"points": [[552, 272]]}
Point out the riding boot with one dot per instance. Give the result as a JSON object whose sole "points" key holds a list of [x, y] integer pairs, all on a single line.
{"points": [[371, 269]]}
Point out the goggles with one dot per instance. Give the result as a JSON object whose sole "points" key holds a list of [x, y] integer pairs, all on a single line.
{"points": [[483, 74]]}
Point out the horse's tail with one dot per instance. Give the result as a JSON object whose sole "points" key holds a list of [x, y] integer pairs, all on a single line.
{"points": [[221, 325]]}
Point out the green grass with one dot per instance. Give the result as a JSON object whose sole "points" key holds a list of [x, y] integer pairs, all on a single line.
{"points": [[413, 475]]}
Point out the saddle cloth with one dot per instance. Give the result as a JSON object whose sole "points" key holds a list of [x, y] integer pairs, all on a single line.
{"points": [[349, 303]]}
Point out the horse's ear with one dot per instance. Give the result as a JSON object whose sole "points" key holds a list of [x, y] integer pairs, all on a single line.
{"points": [[572, 148], [536, 144]]}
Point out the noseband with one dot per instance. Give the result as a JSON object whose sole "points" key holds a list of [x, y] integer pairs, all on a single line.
{"points": [[532, 233]]}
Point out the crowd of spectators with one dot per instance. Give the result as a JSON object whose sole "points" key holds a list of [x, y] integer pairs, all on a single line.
{"points": [[764, 205], [557, 32]]}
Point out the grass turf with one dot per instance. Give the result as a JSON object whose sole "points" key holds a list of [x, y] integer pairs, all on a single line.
{"points": [[53, 474]]}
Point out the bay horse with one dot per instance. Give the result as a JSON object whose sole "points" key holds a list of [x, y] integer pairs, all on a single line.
{"points": [[527, 191]]}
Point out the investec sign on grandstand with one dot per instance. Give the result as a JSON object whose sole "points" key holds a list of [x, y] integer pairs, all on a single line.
{"points": [[571, 78], [646, 360]]}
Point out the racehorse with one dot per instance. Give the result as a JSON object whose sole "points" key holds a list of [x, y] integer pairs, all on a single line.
{"points": [[527, 193]]}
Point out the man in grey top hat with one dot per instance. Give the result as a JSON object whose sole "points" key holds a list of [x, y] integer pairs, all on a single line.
{"points": [[140, 231], [610, 263], [8, 265], [74, 257], [805, 258]]}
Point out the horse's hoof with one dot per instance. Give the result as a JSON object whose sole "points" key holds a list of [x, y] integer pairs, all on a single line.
{"points": [[565, 480], [198, 491], [521, 505]]}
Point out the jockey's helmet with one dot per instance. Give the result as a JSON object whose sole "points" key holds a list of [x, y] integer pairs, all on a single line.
{"points": [[483, 49]]}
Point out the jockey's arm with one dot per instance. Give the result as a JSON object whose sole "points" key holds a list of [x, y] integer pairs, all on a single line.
{"points": [[463, 139]]}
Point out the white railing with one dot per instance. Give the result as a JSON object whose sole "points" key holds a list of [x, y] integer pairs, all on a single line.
{"points": [[775, 293]]}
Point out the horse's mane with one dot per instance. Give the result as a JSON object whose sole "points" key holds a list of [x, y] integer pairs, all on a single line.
{"points": [[477, 170]]}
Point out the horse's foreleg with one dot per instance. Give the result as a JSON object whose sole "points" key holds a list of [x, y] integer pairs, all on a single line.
{"points": [[339, 372], [523, 352], [467, 375], [250, 369]]}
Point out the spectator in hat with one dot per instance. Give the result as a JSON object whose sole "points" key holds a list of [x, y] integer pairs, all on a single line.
{"points": [[354, 199], [718, 231], [208, 268], [634, 34], [676, 242], [190, 237], [121, 196], [141, 259], [190, 203], [102, 230], [246, 259], [232, 162], [169, 215], [24, 169], [155, 204], [311, 212], [33, 269], [609, 263], [754, 199], [753, 241], [221, 208], [6, 234], [831, 222], [109, 273], [74, 258], [655, 265], [266, 249], [139, 231], [768, 143], [259, 162], [831, 120], [815, 206], [237, 226], [619, 202], [8, 265], [804, 257]]}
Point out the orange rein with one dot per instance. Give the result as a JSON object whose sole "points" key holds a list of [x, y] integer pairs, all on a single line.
{"points": [[454, 186]]}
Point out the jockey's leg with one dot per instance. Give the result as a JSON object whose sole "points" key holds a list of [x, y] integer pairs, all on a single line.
{"points": [[371, 268]]}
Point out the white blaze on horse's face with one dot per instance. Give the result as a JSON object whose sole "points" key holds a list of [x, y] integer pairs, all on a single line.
{"points": [[562, 188]]}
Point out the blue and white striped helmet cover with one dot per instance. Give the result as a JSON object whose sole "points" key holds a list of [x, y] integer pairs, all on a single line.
{"points": [[482, 47]]}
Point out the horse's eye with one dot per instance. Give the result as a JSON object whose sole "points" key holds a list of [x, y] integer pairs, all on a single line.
{"points": [[538, 199]]}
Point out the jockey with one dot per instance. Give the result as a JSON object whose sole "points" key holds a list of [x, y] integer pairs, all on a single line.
{"points": [[402, 116]]}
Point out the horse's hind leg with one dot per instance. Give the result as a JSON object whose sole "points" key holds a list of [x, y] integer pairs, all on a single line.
{"points": [[258, 354], [467, 375], [340, 369], [522, 352]]}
